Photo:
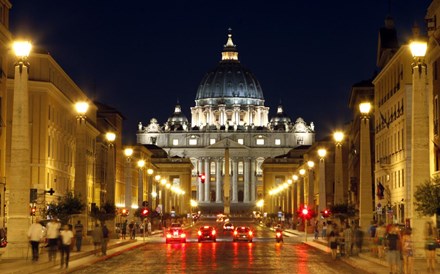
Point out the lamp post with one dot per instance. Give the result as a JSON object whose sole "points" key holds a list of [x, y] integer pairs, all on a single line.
{"points": [[128, 152], [365, 184], [419, 134], [157, 191], [294, 193], [322, 152], [339, 188], [108, 191], [19, 179], [141, 164]]}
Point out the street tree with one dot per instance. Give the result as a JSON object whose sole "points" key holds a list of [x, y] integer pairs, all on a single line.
{"points": [[65, 207], [427, 197], [105, 212]]}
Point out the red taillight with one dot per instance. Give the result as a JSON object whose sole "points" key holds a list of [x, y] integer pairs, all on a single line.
{"points": [[250, 233], [235, 232], [168, 235], [183, 235], [200, 233], [213, 232], [278, 234]]}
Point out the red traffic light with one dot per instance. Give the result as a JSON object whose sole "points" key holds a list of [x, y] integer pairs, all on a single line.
{"points": [[305, 211], [325, 213], [144, 212], [202, 177], [33, 210], [124, 212]]}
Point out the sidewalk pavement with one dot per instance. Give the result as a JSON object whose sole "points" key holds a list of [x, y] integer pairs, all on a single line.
{"points": [[77, 260], [365, 260]]}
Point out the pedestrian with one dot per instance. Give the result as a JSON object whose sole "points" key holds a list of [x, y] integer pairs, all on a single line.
{"points": [[53, 235], [430, 245], [35, 235], [78, 235], [124, 229], [348, 239], [407, 252], [132, 230], [316, 230], [66, 236], [324, 230], [105, 238], [333, 241], [149, 228], [379, 240], [97, 238], [358, 239], [393, 246]]}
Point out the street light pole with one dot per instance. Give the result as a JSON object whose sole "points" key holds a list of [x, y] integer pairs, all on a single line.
{"points": [[365, 189], [19, 180], [141, 164], [339, 186], [322, 152], [108, 193], [128, 192]]}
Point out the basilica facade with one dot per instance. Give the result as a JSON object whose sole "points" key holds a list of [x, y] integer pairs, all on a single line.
{"points": [[229, 115]]}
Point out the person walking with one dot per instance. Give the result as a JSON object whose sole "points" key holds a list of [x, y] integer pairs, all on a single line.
{"points": [[124, 229], [393, 246], [333, 242], [35, 235], [149, 228], [79, 228], [379, 240], [132, 230], [324, 230], [407, 252], [53, 234], [316, 230], [105, 238], [97, 238], [66, 236], [358, 239], [348, 239], [430, 246]]}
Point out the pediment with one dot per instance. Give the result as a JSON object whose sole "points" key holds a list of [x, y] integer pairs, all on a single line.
{"points": [[227, 143]]}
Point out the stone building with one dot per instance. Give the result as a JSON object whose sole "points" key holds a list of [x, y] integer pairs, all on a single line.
{"points": [[229, 112]]}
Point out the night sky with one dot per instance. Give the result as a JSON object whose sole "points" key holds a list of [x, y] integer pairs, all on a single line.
{"points": [[140, 57]]}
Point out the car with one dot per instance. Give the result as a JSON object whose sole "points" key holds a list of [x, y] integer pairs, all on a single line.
{"points": [[207, 233], [175, 235], [228, 227], [176, 226], [243, 233]]}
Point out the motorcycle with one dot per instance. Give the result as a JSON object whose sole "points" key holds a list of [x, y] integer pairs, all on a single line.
{"points": [[279, 236]]}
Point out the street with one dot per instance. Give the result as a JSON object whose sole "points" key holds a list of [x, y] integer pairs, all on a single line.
{"points": [[263, 255]]}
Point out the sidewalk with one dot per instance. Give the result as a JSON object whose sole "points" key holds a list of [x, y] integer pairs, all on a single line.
{"points": [[77, 259], [365, 260]]}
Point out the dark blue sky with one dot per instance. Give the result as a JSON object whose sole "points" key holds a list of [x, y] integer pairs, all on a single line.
{"points": [[141, 56]]}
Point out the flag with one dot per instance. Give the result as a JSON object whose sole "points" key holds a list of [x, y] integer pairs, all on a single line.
{"points": [[383, 119], [379, 190]]}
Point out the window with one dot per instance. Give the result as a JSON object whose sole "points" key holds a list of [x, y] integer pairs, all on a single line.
{"points": [[175, 142], [192, 142], [260, 142], [300, 140], [240, 141], [277, 142], [212, 141]]}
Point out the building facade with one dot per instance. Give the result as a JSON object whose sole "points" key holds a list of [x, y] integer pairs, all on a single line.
{"points": [[230, 113]]}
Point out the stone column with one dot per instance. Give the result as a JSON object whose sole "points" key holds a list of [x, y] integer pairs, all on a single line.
{"points": [[311, 189], [207, 180], [234, 180], [140, 187], [19, 180], [218, 183], [201, 189], [322, 192], [300, 191], [365, 191], [253, 180], [128, 179], [339, 191], [246, 179]]}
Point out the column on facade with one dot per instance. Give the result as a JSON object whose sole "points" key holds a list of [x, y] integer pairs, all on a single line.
{"points": [[253, 180], [339, 191], [295, 196], [234, 180], [218, 181], [250, 118], [246, 179], [207, 180], [222, 111], [322, 192], [265, 117], [258, 117], [236, 119], [300, 191], [311, 189], [194, 114], [200, 171], [128, 183], [210, 120]]}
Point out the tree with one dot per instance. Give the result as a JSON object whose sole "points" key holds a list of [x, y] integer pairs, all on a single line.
{"points": [[106, 212], [343, 211], [65, 207], [427, 197]]}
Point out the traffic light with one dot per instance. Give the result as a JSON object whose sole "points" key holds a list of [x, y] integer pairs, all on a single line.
{"points": [[144, 212], [325, 213], [33, 210], [145, 203], [305, 213], [124, 212], [202, 177]]}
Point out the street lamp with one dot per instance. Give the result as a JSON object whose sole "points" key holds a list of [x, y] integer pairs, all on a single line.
{"points": [[365, 182], [322, 152], [81, 110], [108, 190], [19, 179], [128, 152], [419, 132], [339, 194]]}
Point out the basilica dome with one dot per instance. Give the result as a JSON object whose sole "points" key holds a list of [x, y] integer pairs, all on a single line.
{"points": [[230, 83]]}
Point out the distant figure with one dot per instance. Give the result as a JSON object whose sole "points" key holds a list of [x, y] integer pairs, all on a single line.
{"points": [[430, 239], [97, 238], [124, 229], [132, 230], [358, 239], [393, 249], [379, 240], [333, 242], [348, 239], [105, 238], [53, 233], [149, 228], [66, 240], [316, 230], [324, 230], [407, 252], [35, 235], [78, 235]]}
